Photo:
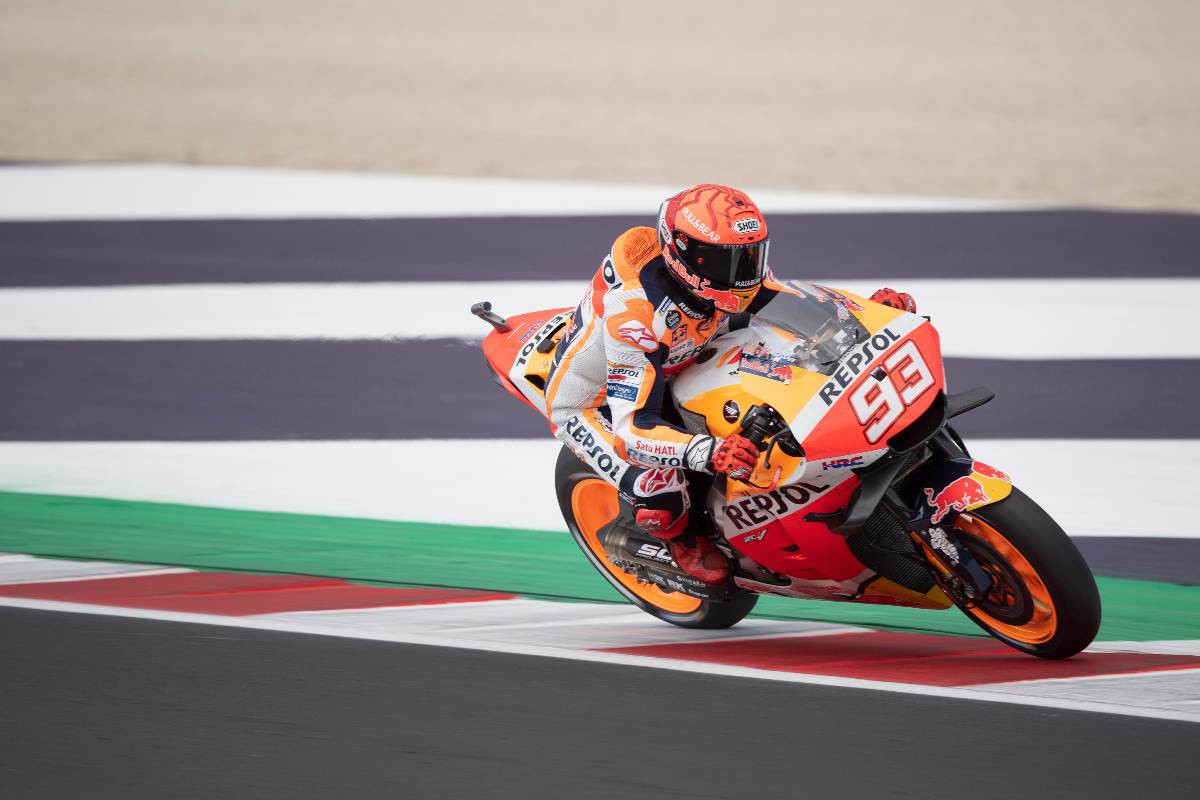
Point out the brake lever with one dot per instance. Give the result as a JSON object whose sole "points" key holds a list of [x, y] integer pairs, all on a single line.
{"points": [[770, 486]]}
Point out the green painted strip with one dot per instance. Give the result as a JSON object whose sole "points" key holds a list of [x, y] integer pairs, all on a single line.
{"points": [[526, 562]]}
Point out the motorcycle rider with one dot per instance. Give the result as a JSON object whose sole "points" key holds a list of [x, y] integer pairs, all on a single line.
{"points": [[656, 301]]}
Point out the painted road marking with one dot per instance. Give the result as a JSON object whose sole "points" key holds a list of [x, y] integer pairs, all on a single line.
{"points": [[360, 479], [1186, 647], [974, 317], [152, 191], [19, 568], [236, 594], [1124, 708], [818, 653], [1177, 691], [909, 658], [592, 626]]}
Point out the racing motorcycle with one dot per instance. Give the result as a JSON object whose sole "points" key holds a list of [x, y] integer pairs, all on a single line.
{"points": [[863, 491]]}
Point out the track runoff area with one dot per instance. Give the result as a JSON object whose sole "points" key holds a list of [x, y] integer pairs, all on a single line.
{"points": [[222, 384]]}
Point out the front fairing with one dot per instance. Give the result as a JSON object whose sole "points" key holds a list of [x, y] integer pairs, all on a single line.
{"points": [[846, 375], [819, 357]]}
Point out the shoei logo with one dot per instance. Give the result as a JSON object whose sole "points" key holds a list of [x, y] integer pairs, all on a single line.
{"points": [[746, 226], [699, 225]]}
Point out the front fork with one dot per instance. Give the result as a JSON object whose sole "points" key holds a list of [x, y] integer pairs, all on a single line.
{"points": [[935, 494], [966, 578]]}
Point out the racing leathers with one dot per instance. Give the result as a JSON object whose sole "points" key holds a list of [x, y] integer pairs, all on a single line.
{"points": [[635, 328], [605, 395]]}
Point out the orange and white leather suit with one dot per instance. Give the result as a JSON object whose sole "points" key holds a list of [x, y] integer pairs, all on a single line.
{"points": [[635, 328], [654, 304]]}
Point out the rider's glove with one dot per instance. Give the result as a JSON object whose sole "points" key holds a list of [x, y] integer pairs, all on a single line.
{"points": [[735, 456], [900, 300]]}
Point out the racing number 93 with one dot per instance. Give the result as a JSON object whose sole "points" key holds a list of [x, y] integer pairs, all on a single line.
{"points": [[879, 403]]}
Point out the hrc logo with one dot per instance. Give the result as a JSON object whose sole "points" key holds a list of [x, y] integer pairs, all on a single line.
{"points": [[842, 463]]}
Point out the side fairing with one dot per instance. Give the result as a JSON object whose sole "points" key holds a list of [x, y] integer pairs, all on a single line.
{"points": [[841, 409], [769, 527], [879, 389]]}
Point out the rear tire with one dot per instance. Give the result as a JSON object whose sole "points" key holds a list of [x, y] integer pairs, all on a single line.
{"points": [[1046, 602], [588, 502]]}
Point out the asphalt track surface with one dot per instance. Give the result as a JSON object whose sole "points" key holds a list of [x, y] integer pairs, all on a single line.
{"points": [[313, 389], [1013, 244], [109, 707]]}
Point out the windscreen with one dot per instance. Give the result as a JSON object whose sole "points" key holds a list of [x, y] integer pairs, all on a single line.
{"points": [[821, 322]]}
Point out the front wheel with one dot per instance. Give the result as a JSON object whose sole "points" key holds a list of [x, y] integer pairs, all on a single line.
{"points": [[1043, 600], [588, 503]]}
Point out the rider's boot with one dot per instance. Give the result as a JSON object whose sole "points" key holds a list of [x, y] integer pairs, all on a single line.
{"points": [[695, 555]]}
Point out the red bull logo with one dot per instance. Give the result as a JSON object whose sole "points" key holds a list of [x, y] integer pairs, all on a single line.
{"points": [[989, 472], [762, 362], [958, 496]]}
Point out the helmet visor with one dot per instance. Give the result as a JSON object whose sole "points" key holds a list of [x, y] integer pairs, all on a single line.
{"points": [[738, 266]]}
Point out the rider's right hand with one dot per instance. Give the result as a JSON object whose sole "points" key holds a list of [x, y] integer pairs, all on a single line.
{"points": [[735, 456]]}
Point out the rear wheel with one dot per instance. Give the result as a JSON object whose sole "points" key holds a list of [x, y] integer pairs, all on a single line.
{"points": [[588, 503], [1043, 600]]}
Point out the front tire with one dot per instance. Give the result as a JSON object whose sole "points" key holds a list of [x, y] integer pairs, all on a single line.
{"points": [[588, 503], [1044, 599]]}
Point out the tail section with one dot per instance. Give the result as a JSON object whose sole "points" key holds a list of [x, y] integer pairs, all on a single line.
{"points": [[519, 350]]}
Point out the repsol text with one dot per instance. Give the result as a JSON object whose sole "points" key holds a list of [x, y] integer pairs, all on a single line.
{"points": [[858, 359]]}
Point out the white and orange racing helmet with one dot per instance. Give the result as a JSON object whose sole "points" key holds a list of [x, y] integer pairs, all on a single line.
{"points": [[714, 240]]}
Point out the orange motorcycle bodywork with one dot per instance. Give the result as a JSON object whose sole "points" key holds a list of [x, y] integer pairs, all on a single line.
{"points": [[838, 418]]}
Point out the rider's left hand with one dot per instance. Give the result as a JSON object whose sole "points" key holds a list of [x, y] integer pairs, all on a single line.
{"points": [[900, 300]]}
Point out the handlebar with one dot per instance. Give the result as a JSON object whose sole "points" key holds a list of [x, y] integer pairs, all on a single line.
{"points": [[764, 426]]}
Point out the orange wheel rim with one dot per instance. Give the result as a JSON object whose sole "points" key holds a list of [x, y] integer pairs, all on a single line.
{"points": [[594, 504], [1043, 623]]}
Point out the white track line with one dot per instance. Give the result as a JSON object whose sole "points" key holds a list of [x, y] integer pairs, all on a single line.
{"points": [[575, 626], [132, 573], [152, 191], [1168, 690], [1192, 675], [1087, 485], [18, 568], [1039, 319], [621, 659], [1171, 647]]}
